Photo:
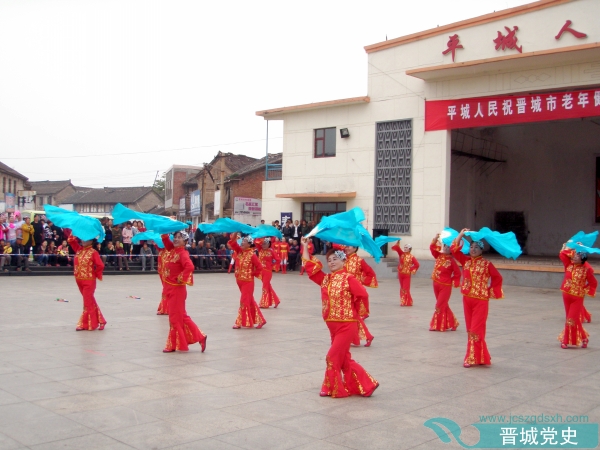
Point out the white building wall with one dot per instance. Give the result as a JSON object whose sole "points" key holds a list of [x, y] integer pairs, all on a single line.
{"points": [[396, 96]]}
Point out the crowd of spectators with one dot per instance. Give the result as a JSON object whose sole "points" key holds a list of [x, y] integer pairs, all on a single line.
{"points": [[24, 243]]}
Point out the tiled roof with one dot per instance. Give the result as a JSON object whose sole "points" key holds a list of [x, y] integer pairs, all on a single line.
{"points": [[109, 195], [259, 164], [13, 172], [49, 187], [233, 162]]}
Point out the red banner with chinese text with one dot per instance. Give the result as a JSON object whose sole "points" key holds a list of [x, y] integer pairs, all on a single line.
{"points": [[510, 109]]}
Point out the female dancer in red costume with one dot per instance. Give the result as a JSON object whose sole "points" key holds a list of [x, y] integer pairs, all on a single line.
{"points": [[177, 273], [247, 266], [275, 244], [340, 295], [445, 274], [359, 269], [579, 281], [284, 249], [407, 266], [481, 281], [88, 267], [311, 251], [163, 306], [268, 258]]}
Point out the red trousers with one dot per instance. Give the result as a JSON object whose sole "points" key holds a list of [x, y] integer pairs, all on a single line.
{"points": [[355, 379], [443, 318], [573, 333], [268, 294], [405, 297], [248, 313], [182, 329], [91, 316], [476, 312], [585, 315], [163, 306], [362, 332]]}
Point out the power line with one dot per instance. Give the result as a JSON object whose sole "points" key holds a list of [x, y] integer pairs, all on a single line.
{"points": [[145, 152]]}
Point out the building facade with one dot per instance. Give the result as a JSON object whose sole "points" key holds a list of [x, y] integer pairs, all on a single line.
{"points": [[491, 121], [176, 189], [210, 181], [246, 185], [14, 185], [51, 192], [102, 201]]}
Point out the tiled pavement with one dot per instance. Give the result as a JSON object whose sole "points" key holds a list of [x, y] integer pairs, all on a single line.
{"points": [[258, 389]]}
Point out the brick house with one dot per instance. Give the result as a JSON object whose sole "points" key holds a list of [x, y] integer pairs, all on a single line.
{"points": [[213, 174], [177, 187], [52, 192], [102, 201], [248, 182], [12, 183]]}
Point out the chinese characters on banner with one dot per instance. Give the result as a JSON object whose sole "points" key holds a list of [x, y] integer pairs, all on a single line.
{"points": [[247, 206], [247, 210], [509, 41], [510, 109]]}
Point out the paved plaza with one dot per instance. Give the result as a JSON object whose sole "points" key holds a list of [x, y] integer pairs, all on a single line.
{"points": [[259, 389]]}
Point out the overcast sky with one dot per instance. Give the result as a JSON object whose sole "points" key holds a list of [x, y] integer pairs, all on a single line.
{"points": [[110, 92]]}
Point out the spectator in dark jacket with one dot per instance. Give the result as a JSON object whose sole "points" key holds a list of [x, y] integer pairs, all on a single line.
{"points": [[199, 235]]}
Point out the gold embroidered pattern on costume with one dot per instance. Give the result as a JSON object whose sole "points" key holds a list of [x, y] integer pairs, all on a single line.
{"points": [[353, 266], [243, 266], [576, 284], [84, 269], [442, 263], [406, 262], [476, 277], [339, 306], [264, 256]]}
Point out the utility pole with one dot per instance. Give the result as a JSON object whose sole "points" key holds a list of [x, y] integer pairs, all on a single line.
{"points": [[222, 196], [202, 209]]}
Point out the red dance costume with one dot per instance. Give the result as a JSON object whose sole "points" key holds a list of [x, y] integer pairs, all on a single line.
{"points": [[586, 316], [87, 267], [340, 295], [359, 269], [268, 259], [163, 306], [445, 275], [284, 248], [579, 281], [177, 273], [311, 251], [477, 290], [275, 245], [407, 267], [247, 266]]}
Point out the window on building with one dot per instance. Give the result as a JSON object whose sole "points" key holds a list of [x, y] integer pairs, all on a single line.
{"points": [[4, 185], [324, 142], [15, 186], [314, 211], [9, 186], [393, 168]]}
